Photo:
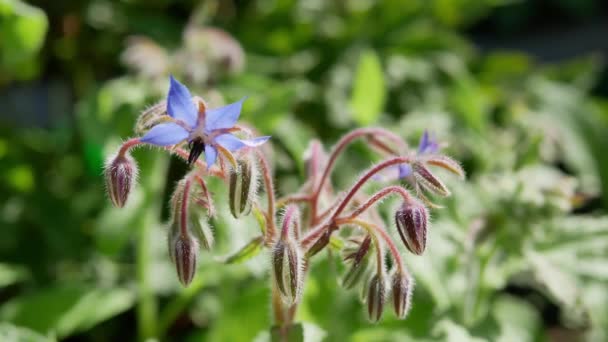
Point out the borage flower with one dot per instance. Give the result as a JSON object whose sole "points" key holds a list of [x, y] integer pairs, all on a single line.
{"points": [[417, 174], [205, 130]]}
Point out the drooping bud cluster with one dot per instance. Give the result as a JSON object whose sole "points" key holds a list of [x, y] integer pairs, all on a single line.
{"points": [[214, 145], [287, 261], [412, 224], [243, 185], [120, 175]]}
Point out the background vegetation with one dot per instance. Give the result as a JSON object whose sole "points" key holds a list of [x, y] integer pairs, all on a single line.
{"points": [[516, 90]]}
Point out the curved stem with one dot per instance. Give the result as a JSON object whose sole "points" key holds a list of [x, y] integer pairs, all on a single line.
{"points": [[271, 231], [290, 218], [127, 145], [183, 217], [366, 176], [339, 147], [394, 189]]}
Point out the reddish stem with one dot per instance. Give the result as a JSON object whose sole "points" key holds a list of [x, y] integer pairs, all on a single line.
{"points": [[127, 145], [338, 148], [369, 174], [389, 190], [271, 231], [291, 217], [183, 227]]}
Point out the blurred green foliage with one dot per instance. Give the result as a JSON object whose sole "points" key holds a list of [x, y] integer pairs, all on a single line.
{"points": [[520, 252]]}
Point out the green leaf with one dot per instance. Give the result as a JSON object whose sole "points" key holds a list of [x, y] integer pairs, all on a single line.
{"points": [[250, 250], [22, 31], [518, 319], [369, 89], [67, 310], [453, 332], [12, 333], [10, 274]]}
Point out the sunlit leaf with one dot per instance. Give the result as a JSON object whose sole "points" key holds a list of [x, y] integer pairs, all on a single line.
{"points": [[369, 89]]}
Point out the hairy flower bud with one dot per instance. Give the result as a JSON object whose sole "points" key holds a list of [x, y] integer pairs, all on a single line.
{"points": [[412, 221], [403, 286], [376, 297], [429, 181], [243, 186], [446, 163], [287, 270], [120, 174], [184, 253], [150, 117]]}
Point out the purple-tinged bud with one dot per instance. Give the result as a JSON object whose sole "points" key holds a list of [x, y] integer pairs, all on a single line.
{"points": [[429, 181], [184, 253], [359, 264], [151, 117], [412, 224], [243, 186], [120, 173], [446, 163], [403, 286], [287, 266], [376, 297]]}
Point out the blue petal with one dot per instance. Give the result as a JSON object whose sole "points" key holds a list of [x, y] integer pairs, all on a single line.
{"points": [[165, 134], [210, 155], [404, 170], [180, 105], [223, 117], [427, 144], [232, 143]]}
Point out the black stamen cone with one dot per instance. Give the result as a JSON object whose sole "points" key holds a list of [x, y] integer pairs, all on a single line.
{"points": [[197, 146]]}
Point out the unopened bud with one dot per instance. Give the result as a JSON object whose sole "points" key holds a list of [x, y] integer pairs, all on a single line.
{"points": [[287, 270], [446, 163], [376, 297], [120, 173], [243, 186], [403, 286], [429, 181], [184, 253], [412, 220], [151, 117]]}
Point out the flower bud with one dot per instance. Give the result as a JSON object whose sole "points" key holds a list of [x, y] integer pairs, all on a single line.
{"points": [[243, 186], [446, 163], [429, 181], [403, 286], [287, 270], [184, 253], [411, 220], [151, 117], [120, 173], [376, 297]]}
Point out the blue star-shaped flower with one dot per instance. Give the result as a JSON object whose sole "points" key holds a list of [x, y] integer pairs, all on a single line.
{"points": [[206, 130]]}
